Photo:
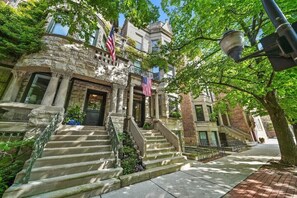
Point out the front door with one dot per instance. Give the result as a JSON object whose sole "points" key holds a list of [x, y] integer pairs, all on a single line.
{"points": [[94, 108], [138, 112]]}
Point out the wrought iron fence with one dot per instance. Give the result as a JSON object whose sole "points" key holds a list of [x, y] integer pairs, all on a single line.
{"points": [[116, 144], [39, 145]]}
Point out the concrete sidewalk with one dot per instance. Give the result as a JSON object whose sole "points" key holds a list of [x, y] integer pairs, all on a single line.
{"points": [[213, 179]]}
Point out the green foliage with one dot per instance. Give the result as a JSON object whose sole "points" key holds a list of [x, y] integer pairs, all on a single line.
{"points": [[13, 156], [74, 113], [82, 16], [148, 126], [130, 161], [21, 28], [175, 114]]}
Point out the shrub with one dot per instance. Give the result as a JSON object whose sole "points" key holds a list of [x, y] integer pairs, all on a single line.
{"points": [[175, 114], [147, 126], [74, 115], [130, 161]]}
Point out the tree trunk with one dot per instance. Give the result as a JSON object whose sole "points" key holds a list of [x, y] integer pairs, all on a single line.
{"points": [[284, 136], [295, 131]]}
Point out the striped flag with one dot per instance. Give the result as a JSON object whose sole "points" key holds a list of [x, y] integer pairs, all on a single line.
{"points": [[146, 86], [110, 44]]}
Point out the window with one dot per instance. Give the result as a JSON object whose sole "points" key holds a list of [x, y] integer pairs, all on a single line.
{"points": [[94, 37], [155, 46], [37, 89], [203, 138], [173, 107], [214, 138], [58, 28], [138, 40], [199, 113], [156, 73], [137, 67]]}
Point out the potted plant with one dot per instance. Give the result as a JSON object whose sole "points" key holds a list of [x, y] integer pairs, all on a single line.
{"points": [[74, 115], [262, 140]]}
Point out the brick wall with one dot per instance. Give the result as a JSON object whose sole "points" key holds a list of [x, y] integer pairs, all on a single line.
{"points": [[238, 120], [190, 136]]}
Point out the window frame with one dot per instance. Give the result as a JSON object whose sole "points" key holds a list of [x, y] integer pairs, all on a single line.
{"points": [[202, 113]]}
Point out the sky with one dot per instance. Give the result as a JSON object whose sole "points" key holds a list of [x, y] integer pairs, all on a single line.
{"points": [[162, 17]]}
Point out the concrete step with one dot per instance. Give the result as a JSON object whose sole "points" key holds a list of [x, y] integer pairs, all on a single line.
{"points": [[152, 135], [149, 131], [163, 162], [81, 127], [155, 145], [69, 159], [66, 169], [57, 183], [86, 190], [163, 140], [161, 156], [158, 171], [78, 137], [84, 132], [159, 137], [59, 144], [160, 150], [74, 150]]}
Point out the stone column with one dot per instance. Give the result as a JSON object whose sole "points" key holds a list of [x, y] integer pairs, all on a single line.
{"points": [[152, 106], [120, 100], [147, 107], [166, 102], [157, 105], [228, 120], [51, 89], [220, 119], [14, 87], [131, 92], [114, 98], [62, 92]]}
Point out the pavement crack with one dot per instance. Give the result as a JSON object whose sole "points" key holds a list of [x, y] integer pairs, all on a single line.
{"points": [[163, 189]]}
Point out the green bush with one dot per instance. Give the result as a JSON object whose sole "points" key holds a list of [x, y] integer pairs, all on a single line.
{"points": [[147, 126], [130, 161], [74, 113], [175, 114], [13, 156]]}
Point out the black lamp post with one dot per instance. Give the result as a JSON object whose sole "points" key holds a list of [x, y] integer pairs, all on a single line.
{"points": [[279, 47]]}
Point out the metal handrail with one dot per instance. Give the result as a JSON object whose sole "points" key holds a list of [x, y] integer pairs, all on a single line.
{"points": [[40, 144], [116, 144]]}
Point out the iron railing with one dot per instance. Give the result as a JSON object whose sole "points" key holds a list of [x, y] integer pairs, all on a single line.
{"points": [[116, 144], [40, 144]]}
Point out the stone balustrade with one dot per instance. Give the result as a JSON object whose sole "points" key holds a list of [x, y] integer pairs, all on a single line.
{"points": [[68, 55]]}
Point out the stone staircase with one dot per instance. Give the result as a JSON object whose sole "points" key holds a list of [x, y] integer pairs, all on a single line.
{"points": [[77, 162], [161, 157]]}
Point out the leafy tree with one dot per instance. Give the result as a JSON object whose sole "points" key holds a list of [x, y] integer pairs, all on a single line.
{"points": [[21, 28], [82, 16], [197, 28]]}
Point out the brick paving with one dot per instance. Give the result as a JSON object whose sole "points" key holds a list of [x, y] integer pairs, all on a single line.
{"points": [[267, 182]]}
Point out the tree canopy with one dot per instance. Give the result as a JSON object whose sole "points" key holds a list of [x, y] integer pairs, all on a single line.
{"points": [[197, 29]]}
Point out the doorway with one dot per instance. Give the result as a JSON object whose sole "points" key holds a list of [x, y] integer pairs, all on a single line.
{"points": [[94, 108]]}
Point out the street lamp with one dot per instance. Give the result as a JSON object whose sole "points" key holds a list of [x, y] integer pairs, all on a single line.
{"points": [[279, 47]]}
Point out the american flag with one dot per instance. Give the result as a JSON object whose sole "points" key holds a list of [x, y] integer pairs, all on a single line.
{"points": [[146, 86], [110, 43]]}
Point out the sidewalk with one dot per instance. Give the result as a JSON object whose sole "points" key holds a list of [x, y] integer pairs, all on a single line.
{"points": [[213, 179]]}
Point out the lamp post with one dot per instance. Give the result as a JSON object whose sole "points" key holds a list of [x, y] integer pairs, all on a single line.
{"points": [[279, 47]]}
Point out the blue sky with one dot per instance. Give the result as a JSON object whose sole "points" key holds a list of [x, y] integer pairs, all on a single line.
{"points": [[162, 17]]}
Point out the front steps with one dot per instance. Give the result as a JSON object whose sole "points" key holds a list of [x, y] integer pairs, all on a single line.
{"points": [[77, 162], [161, 157]]}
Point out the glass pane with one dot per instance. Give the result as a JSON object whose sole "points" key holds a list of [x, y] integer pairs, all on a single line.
{"points": [[199, 113], [60, 29], [37, 89], [214, 138], [95, 102], [203, 138]]}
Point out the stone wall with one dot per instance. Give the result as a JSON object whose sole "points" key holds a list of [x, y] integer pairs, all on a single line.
{"points": [[79, 91], [62, 54]]}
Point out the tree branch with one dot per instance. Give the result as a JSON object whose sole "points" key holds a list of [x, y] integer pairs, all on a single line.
{"points": [[270, 79], [196, 39], [237, 88]]}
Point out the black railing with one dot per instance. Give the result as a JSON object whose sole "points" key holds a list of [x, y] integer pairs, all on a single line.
{"points": [[116, 143]]}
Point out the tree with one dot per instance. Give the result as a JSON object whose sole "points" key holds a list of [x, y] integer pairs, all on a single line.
{"points": [[197, 28], [21, 28]]}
